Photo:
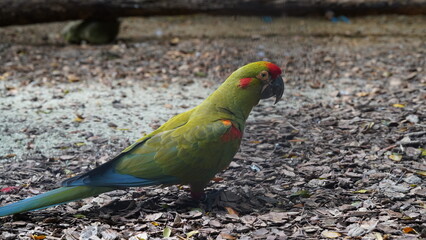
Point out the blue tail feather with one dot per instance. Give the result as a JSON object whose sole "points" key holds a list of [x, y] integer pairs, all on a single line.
{"points": [[52, 198]]}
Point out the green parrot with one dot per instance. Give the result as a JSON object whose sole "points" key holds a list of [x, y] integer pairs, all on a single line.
{"points": [[190, 148], [91, 31]]}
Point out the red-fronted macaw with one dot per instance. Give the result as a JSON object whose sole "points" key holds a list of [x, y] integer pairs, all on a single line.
{"points": [[190, 148]]}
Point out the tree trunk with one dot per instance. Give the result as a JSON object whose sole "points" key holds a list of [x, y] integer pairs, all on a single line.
{"points": [[15, 12]]}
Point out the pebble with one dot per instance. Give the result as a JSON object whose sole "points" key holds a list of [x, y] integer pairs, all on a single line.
{"points": [[412, 179]]}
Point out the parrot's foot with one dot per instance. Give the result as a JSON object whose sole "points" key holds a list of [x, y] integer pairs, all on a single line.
{"points": [[198, 196], [211, 199]]}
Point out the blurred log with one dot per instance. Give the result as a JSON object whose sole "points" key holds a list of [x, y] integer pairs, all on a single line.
{"points": [[16, 12]]}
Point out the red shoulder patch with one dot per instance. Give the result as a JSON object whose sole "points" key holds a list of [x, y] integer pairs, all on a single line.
{"points": [[232, 134], [244, 82], [274, 70]]}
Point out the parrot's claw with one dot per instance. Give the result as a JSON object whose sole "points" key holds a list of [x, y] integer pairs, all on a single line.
{"points": [[211, 199]]}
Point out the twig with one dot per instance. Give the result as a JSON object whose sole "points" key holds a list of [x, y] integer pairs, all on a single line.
{"points": [[388, 148], [416, 133], [400, 178], [416, 142]]}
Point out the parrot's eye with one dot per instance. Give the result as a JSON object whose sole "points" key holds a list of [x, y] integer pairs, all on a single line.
{"points": [[263, 75]]}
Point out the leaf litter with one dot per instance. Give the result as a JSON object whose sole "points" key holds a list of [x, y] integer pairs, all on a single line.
{"points": [[343, 155]]}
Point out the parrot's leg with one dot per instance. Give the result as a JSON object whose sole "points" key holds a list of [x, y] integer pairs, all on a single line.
{"points": [[211, 199], [197, 190], [198, 196]]}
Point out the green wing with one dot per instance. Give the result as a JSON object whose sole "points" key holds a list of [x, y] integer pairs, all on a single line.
{"points": [[193, 152]]}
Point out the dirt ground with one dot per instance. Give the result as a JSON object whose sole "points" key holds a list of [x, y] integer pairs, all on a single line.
{"points": [[343, 155]]}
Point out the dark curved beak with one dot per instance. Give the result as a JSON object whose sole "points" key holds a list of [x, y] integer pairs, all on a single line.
{"points": [[274, 88]]}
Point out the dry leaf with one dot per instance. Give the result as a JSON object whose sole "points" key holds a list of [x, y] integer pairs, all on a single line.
{"points": [[167, 232], [227, 236], [168, 106], [362, 94], [73, 78], [316, 84], [4, 75], [409, 230], [192, 233], [79, 118], [396, 157], [10, 155], [297, 140], [423, 152], [217, 179], [378, 236], [362, 191], [398, 105], [330, 234], [175, 41], [231, 211], [38, 237]]}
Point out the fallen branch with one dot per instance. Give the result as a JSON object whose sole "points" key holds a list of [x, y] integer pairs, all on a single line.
{"points": [[16, 12]]}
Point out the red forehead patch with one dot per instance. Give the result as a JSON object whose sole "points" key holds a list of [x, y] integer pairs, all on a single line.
{"points": [[274, 70]]}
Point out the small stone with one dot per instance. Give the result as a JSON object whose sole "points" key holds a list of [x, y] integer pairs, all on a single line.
{"points": [[265, 146], [413, 152], [412, 118], [316, 183], [8, 236], [215, 223], [412, 179], [139, 236]]}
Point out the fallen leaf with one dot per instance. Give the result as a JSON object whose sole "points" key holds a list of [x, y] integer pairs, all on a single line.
{"points": [[78, 118], [396, 157], [422, 173], [37, 237], [409, 230], [297, 140], [231, 211], [378, 236], [141, 236], [175, 41], [315, 84], [4, 75], [73, 78], [330, 234], [169, 106], [167, 232], [192, 233], [227, 236], [423, 152], [362, 191], [217, 179], [362, 94], [301, 193], [10, 155], [411, 76], [398, 105]]}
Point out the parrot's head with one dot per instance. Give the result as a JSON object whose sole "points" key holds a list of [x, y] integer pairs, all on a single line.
{"points": [[259, 78]]}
